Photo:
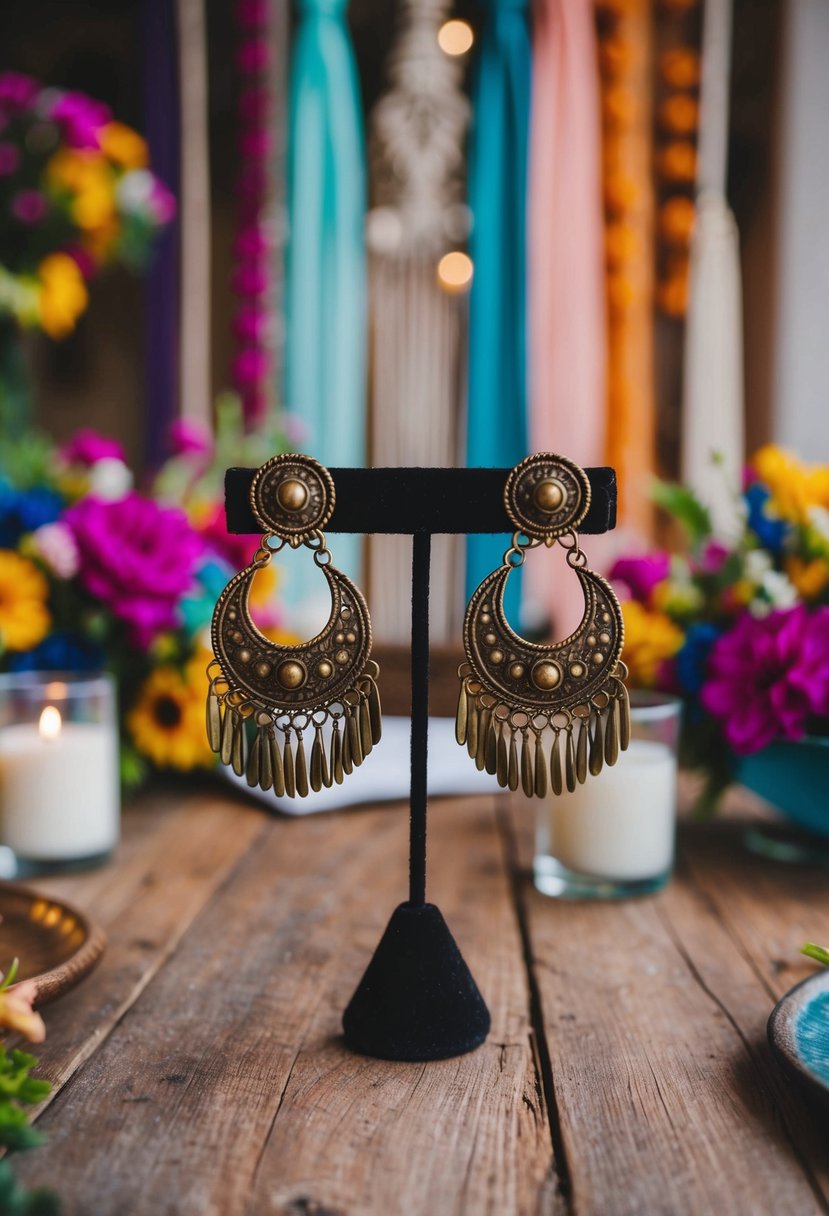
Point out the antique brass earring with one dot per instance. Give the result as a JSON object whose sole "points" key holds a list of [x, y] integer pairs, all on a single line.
{"points": [[326, 685], [544, 716]]}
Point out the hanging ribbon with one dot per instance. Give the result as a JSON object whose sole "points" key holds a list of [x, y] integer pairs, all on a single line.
{"points": [[325, 270], [568, 311], [712, 406], [497, 420]]}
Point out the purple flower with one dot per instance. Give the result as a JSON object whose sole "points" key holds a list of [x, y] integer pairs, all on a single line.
{"points": [[188, 437], [88, 447], [767, 676], [16, 90], [80, 119], [137, 558], [9, 159], [641, 574], [29, 206]]}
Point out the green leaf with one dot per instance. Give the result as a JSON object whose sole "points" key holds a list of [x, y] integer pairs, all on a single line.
{"points": [[682, 504], [819, 953], [15, 1201]]}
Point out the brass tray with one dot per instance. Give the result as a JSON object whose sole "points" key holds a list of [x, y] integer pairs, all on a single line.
{"points": [[56, 944]]}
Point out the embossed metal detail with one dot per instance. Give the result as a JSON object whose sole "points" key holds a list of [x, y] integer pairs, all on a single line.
{"points": [[267, 497], [540, 514]]}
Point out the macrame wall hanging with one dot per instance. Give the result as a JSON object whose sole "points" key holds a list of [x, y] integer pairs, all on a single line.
{"points": [[417, 325]]}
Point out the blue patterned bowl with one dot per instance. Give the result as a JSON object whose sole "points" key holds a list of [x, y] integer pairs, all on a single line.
{"points": [[798, 1031], [794, 777]]}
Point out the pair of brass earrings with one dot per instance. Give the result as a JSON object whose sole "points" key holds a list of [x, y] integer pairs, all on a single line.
{"points": [[566, 703]]}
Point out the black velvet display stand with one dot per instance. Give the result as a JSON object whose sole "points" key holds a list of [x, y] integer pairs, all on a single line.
{"points": [[417, 999]]}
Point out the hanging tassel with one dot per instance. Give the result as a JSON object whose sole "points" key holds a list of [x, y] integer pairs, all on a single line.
{"points": [[336, 754], [491, 748], [556, 778], [540, 768], [501, 757], [214, 722], [288, 767], [366, 741], [483, 734], [611, 734], [252, 771], [354, 748], [345, 752], [277, 766], [597, 746], [461, 716], [527, 774], [375, 712], [624, 717], [581, 752], [226, 752], [265, 767], [320, 775], [301, 767], [239, 741], [512, 766], [569, 760], [472, 726]]}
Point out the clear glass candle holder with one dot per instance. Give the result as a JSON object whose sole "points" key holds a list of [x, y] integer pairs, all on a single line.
{"points": [[59, 787], [614, 836]]}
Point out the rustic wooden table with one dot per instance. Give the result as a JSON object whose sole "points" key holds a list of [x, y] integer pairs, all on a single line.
{"points": [[200, 1069]]}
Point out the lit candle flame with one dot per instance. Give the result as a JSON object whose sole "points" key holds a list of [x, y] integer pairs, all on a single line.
{"points": [[50, 723]]}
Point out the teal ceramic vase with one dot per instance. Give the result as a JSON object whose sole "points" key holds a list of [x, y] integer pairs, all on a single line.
{"points": [[794, 778]]}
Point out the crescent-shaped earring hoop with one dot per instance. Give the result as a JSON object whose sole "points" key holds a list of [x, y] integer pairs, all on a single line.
{"points": [[544, 716], [272, 695]]}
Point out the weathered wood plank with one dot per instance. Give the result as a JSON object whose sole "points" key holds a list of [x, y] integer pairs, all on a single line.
{"points": [[225, 1088], [174, 856], [654, 1025]]}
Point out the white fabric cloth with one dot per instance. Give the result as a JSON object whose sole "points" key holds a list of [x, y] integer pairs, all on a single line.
{"points": [[384, 775]]}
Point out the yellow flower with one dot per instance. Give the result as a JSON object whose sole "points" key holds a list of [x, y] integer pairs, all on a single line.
{"points": [[124, 146], [89, 179], [794, 486], [650, 639], [167, 721], [63, 294], [809, 577], [24, 617]]}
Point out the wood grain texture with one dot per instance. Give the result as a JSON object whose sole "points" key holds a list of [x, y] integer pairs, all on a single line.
{"points": [[666, 1096], [225, 1087]]}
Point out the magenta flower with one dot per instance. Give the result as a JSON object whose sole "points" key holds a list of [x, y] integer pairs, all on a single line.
{"points": [[188, 437], [29, 206], [713, 557], [254, 145], [88, 447], [82, 259], [253, 105], [252, 13], [162, 203], [768, 676], [250, 242], [252, 56], [137, 558], [9, 159], [250, 281], [236, 550], [249, 367], [641, 574], [250, 323], [16, 90], [80, 118]]}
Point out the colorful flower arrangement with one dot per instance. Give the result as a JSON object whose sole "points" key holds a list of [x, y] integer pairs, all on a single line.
{"points": [[75, 193], [738, 625], [97, 575]]}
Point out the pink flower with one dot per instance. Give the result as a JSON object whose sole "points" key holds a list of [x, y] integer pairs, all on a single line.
{"points": [[80, 118], [137, 558], [187, 436], [9, 159], [252, 55], [250, 281], [250, 323], [254, 145], [29, 206], [82, 259], [250, 242], [55, 545], [87, 447], [162, 203], [249, 367], [16, 90], [641, 574], [768, 676], [713, 557]]}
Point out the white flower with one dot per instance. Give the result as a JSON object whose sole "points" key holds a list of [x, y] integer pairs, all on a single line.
{"points": [[819, 519], [135, 190], [756, 565], [55, 546], [778, 593], [110, 479]]}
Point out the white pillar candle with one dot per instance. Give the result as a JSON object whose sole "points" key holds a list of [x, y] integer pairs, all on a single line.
{"points": [[58, 788], [620, 824]]}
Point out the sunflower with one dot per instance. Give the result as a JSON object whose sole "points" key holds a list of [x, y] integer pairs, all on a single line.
{"points": [[167, 720], [24, 617]]}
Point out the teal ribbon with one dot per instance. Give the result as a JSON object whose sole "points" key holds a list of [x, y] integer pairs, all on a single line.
{"points": [[325, 292], [497, 426]]}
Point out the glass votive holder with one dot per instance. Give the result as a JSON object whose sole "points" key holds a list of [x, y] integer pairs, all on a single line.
{"points": [[614, 836], [59, 787]]}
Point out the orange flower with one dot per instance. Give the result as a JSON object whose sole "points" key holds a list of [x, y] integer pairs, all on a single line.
{"points": [[810, 578], [679, 68], [676, 220], [678, 161], [124, 146], [672, 295], [679, 114], [620, 192], [621, 243]]}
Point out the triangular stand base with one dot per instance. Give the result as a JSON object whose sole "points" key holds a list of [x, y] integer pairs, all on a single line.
{"points": [[417, 999]]}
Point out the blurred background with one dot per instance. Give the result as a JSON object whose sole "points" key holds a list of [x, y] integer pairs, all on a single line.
{"points": [[433, 233]]}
